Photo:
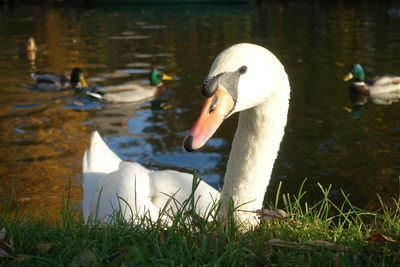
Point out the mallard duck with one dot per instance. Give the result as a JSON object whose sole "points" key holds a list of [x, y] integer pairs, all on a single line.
{"points": [[378, 85], [28, 46], [28, 49], [52, 82], [132, 91], [236, 83]]}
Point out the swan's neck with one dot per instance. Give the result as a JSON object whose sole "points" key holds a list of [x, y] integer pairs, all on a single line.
{"points": [[254, 150]]}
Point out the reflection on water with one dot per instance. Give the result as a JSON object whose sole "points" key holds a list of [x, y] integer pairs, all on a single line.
{"points": [[44, 135], [359, 102]]}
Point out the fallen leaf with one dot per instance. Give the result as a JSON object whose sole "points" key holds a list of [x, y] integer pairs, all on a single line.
{"points": [[5, 245], [85, 258], [336, 259], [161, 237], [3, 253], [44, 247], [282, 243], [306, 245], [5, 248], [269, 214], [326, 244], [379, 238], [3, 233]]}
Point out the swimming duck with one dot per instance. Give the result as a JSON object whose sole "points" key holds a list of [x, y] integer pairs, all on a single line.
{"points": [[28, 49], [27, 46], [50, 82], [235, 83], [30, 45], [378, 85], [132, 91]]}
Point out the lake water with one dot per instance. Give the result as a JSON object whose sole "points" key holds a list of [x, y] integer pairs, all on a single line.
{"points": [[43, 138]]}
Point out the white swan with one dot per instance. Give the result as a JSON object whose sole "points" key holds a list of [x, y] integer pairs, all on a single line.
{"points": [[243, 78]]}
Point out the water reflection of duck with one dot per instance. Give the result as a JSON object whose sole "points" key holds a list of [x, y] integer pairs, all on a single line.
{"points": [[235, 83], [382, 90], [132, 91], [50, 82]]}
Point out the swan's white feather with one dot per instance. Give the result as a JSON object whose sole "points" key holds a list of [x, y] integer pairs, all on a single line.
{"points": [[262, 98], [178, 185], [126, 190], [112, 184], [98, 161], [99, 158]]}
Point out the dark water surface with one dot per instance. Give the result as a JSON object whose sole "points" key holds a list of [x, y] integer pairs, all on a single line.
{"points": [[42, 139]]}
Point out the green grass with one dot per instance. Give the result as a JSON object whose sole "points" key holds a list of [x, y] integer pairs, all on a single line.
{"points": [[295, 240]]}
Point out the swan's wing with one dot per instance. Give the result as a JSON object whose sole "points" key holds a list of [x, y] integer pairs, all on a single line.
{"points": [[126, 190], [99, 157], [178, 185], [98, 161]]}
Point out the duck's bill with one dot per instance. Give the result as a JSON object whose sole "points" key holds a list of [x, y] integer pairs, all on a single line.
{"points": [[215, 110], [166, 77], [348, 77], [83, 81]]}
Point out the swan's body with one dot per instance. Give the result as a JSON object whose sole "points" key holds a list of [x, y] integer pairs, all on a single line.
{"points": [[244, 78], [132, 91], [110, 183], [50, 82]]}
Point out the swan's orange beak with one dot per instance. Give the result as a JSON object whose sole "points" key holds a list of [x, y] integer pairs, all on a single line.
{"points": [[214, 111]]}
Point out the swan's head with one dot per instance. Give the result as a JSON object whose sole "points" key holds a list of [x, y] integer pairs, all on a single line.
{"points": [[241, 77]]}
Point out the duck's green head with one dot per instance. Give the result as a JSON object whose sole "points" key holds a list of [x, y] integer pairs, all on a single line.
{"points": [[156, 77], [356, 73], [78, 77]]}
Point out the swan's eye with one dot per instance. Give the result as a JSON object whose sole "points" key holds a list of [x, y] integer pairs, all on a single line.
{"points": [[213, 104], [242, 69]]}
